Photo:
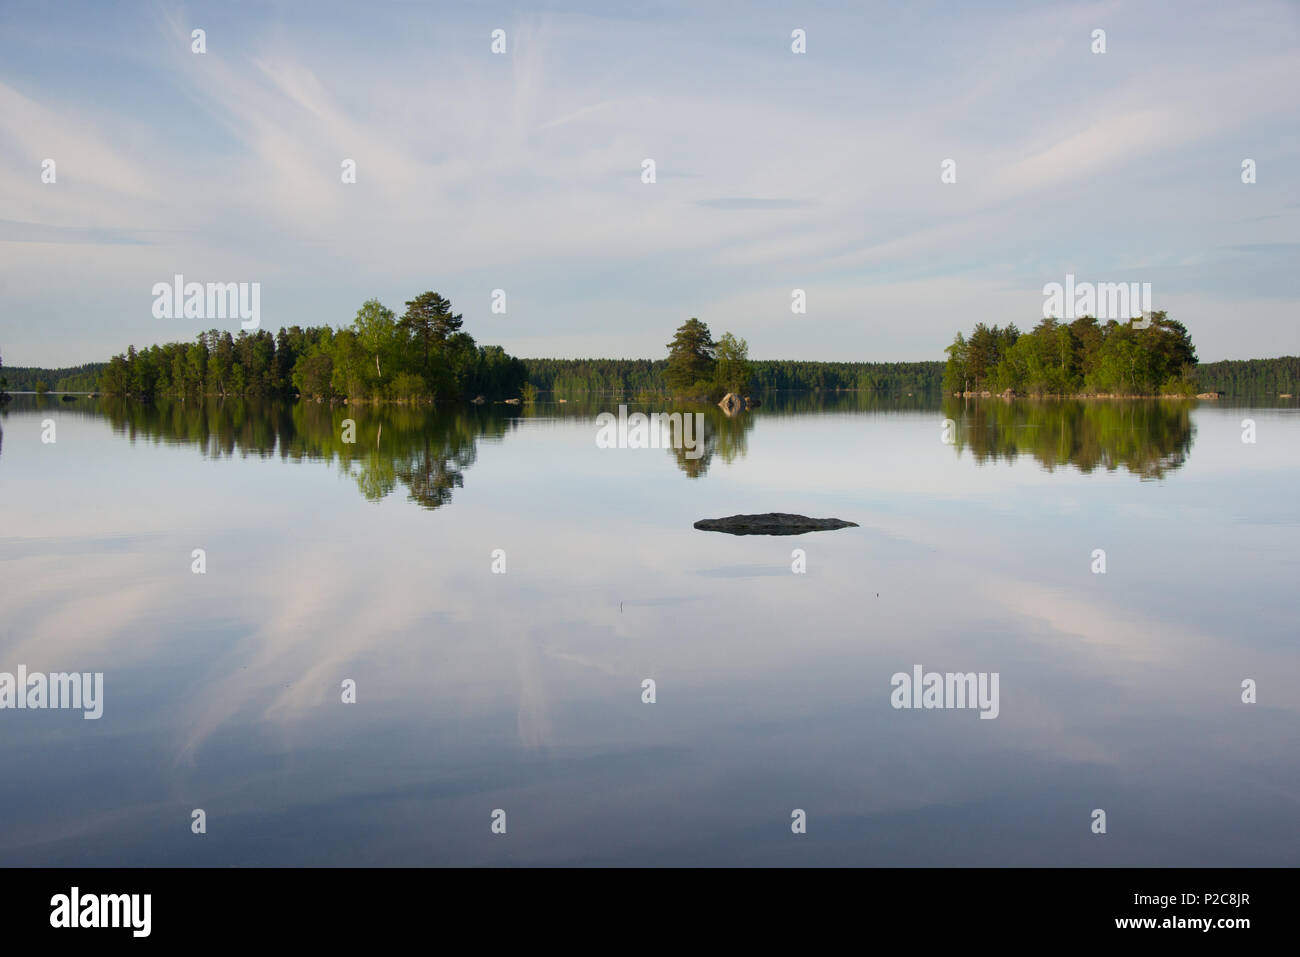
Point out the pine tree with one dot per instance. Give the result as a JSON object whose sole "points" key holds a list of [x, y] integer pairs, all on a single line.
{"points": [[429, 318], [691, 357]]}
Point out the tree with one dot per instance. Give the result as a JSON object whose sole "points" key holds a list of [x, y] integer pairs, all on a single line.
{"points": [[314, 375], [982, 353], [116, 377], [956, 374], [350, 365], [42, 387], [376, 329], [408, 385], [460, 360], [221, 359], [429, 318], [690, 358], [196, 364], [734, 372], [497, 373]]}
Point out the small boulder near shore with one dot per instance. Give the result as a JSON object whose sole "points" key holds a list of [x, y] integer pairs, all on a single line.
{"points": [[771, 523]]}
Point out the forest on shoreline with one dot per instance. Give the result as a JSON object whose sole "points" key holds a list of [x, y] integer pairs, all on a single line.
{"points": [[424, 355], [381, 357]]}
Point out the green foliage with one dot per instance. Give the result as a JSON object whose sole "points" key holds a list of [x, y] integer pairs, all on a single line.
{"points": [[570, 378], [691, 360], [955, 370], [376, 330], [429, 320], [407, 386], [733, 372], [1081, 357], [1251, 376], [376, 357], [42, 387], [1148, 437], [314, 377], [83, 378], [886, 378]]}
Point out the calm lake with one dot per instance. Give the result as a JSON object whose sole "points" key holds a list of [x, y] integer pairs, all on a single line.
{"points": [[512, 680]]}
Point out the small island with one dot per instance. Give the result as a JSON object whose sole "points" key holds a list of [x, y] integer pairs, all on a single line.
{"points": [[1079, 359]]}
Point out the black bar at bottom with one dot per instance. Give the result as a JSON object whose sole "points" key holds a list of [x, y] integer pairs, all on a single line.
{"points": [[334, 906]]}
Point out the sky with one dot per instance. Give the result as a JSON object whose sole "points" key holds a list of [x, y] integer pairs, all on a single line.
{"points": [[774, 170]]}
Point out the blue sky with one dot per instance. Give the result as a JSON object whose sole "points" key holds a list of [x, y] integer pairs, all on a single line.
{"points": [[775, 171]]}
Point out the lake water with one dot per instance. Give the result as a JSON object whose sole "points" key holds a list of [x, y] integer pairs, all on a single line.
{"points": [[522, 691]]}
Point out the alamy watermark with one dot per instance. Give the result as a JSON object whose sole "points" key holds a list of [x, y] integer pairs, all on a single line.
{"points": [[129, 911], [36, 691], [657, 430], [950, 690], [1120, 301], [215, 300]]}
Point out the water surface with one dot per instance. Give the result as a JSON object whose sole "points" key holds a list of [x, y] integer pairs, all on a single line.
{"points": [[373, 561]]}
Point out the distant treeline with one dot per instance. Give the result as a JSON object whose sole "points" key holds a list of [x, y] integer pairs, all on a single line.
{"points": [[887, 377], [1251, 376], [83, 378], [566, 377]]}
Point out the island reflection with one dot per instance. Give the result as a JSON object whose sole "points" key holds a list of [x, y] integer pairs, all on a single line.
{"points": [[1148, 437], [427, 449]]}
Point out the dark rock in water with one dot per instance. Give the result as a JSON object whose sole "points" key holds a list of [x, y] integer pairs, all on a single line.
{"points": [[771, 523], [732, 403], [68, 398]]}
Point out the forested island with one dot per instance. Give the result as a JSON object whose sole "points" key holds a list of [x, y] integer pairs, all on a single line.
{"points": [[1086, 358], [1079, 358], [423, 354]]}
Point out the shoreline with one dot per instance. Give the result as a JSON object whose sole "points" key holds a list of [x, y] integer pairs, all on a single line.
{"points": [[1008, 396]]}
